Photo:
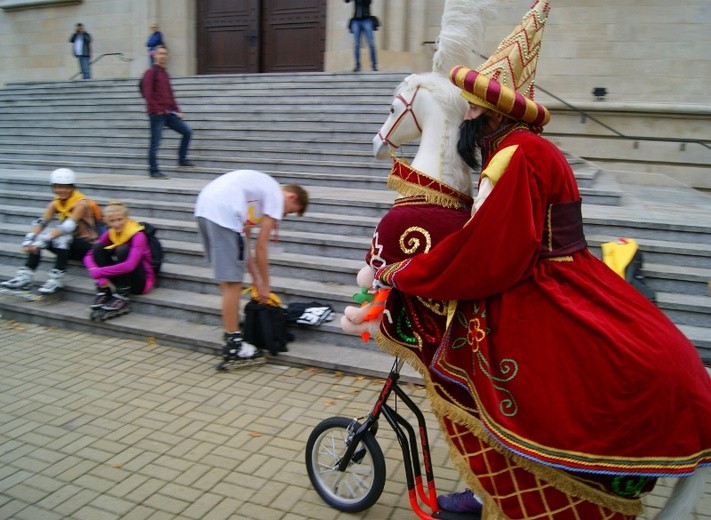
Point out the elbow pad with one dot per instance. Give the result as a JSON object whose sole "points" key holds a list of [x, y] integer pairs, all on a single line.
{"points": [[67, 226]]}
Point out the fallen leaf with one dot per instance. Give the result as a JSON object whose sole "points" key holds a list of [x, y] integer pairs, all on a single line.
{"points": [[255, 434]]}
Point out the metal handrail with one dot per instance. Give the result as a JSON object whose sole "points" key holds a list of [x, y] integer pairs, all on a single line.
{"points": [[682, 142], [585, 115], [118, 54]]}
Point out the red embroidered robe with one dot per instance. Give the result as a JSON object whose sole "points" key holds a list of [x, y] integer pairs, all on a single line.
{"points": [[552, 368]]}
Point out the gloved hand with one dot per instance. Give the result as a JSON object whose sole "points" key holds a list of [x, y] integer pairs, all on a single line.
{"points": [[29, 238], [41, 241]]}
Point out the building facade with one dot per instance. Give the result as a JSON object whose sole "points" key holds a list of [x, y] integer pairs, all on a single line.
{"points": [[651, 51]]}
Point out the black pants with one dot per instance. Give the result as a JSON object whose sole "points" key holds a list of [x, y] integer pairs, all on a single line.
{"points": [[133, 282], [77, 251]]}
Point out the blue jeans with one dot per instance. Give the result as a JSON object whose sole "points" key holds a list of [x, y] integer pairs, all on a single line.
{"points": [[359, 27], [158, 121], [84, 66]]}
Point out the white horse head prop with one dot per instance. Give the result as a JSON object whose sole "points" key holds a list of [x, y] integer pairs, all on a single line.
{"points": [[429, 107]]}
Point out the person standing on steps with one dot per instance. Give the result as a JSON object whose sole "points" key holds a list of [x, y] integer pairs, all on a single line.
{"points": [[227, 210], [163, 110], [154, 40], [71, 239], [81, 47], [121, 257], [362, 23]]}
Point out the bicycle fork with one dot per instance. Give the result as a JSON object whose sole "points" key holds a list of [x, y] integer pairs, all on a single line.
{"points": [[418, 491]]}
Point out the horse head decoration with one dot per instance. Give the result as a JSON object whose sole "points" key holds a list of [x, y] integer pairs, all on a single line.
{"points": [[429, 107]]}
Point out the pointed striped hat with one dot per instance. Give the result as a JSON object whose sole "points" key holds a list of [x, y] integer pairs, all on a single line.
{"points": [[505, 82]]}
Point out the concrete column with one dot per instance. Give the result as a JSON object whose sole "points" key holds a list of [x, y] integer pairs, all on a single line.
{"points": [[415, 26], [143, 13], [396, 27]]}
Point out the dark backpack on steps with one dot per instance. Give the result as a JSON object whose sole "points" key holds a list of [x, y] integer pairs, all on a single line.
{"points": [[156, 247]]}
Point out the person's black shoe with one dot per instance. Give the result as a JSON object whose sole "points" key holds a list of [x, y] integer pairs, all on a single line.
{"points": [[159, 175], [357, 69], [186, 163]]}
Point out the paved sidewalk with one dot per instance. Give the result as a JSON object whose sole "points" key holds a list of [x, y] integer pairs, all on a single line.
{"points": [[101, 428]]}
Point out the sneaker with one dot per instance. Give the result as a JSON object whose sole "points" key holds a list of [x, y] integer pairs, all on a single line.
{"points": [[159, 175], [462, 502], [356, 68], [186, 163], [54, 283]]}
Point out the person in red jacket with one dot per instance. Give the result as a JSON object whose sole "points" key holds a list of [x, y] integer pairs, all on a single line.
{"points": [[563, 391], [163, 110]]}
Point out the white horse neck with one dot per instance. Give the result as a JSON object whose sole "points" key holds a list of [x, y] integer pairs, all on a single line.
{"points": [[437, 154]]}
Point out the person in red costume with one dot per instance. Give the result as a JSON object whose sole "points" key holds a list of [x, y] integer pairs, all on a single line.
{"points": [[563, 391]]}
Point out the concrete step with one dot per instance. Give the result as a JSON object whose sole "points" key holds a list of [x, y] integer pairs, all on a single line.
{"points": [[196, 308], [681, 252], [298, 129]]}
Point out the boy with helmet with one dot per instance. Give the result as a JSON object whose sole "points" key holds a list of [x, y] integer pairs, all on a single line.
{"points": [[70, 239]]}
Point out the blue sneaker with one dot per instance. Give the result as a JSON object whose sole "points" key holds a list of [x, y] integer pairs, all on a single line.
{"points": [[462, 502]]}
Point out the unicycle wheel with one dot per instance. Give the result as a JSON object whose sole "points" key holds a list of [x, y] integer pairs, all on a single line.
{"points": [[361, 484]]}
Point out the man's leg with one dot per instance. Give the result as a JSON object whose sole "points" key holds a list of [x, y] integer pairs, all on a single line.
{"points": [[370, 37], [156, 123], [175, 123], [84, 66], [231, 294], [357, 28]]}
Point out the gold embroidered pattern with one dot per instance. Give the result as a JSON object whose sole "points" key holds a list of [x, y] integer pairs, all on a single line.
{"points": [[410, 240]]}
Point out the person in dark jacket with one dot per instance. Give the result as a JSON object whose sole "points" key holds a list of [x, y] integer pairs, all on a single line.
{"points": [[163, 111], [81, 47], [154, 40], [362, 23]]}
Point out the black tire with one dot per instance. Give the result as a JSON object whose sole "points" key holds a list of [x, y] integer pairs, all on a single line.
{"points": [[361, 484]]}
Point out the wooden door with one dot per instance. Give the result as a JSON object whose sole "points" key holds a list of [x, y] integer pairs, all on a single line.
{"points": [[294, 35], [246, 36], [228, 36]]}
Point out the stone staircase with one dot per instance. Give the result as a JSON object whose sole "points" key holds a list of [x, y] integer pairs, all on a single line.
{"points": [[315, 129]]}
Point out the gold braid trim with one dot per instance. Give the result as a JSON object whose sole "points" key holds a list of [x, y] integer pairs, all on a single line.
{"points": [[430, 196], [556, 478]]}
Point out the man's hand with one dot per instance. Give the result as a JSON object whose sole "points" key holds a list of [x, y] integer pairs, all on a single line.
{"points": [[262, 292]]}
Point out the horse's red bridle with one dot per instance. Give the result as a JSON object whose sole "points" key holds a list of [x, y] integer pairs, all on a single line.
{"points": [[408, 110]]}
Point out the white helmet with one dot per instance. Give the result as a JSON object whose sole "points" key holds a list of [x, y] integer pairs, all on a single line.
{"points": [[62, 176]]}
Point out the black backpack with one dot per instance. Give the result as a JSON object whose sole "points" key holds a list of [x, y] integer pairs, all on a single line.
{"points": [[265, 327], [156, 247]]}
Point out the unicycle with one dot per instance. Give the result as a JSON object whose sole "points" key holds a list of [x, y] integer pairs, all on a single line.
{"points": [[346, 465]]}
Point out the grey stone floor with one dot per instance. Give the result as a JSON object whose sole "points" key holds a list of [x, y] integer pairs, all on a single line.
{"points": [[100, 428]]}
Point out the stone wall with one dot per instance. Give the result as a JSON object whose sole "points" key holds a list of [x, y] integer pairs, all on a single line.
{"points": [[639, 50], [34, 38]]}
